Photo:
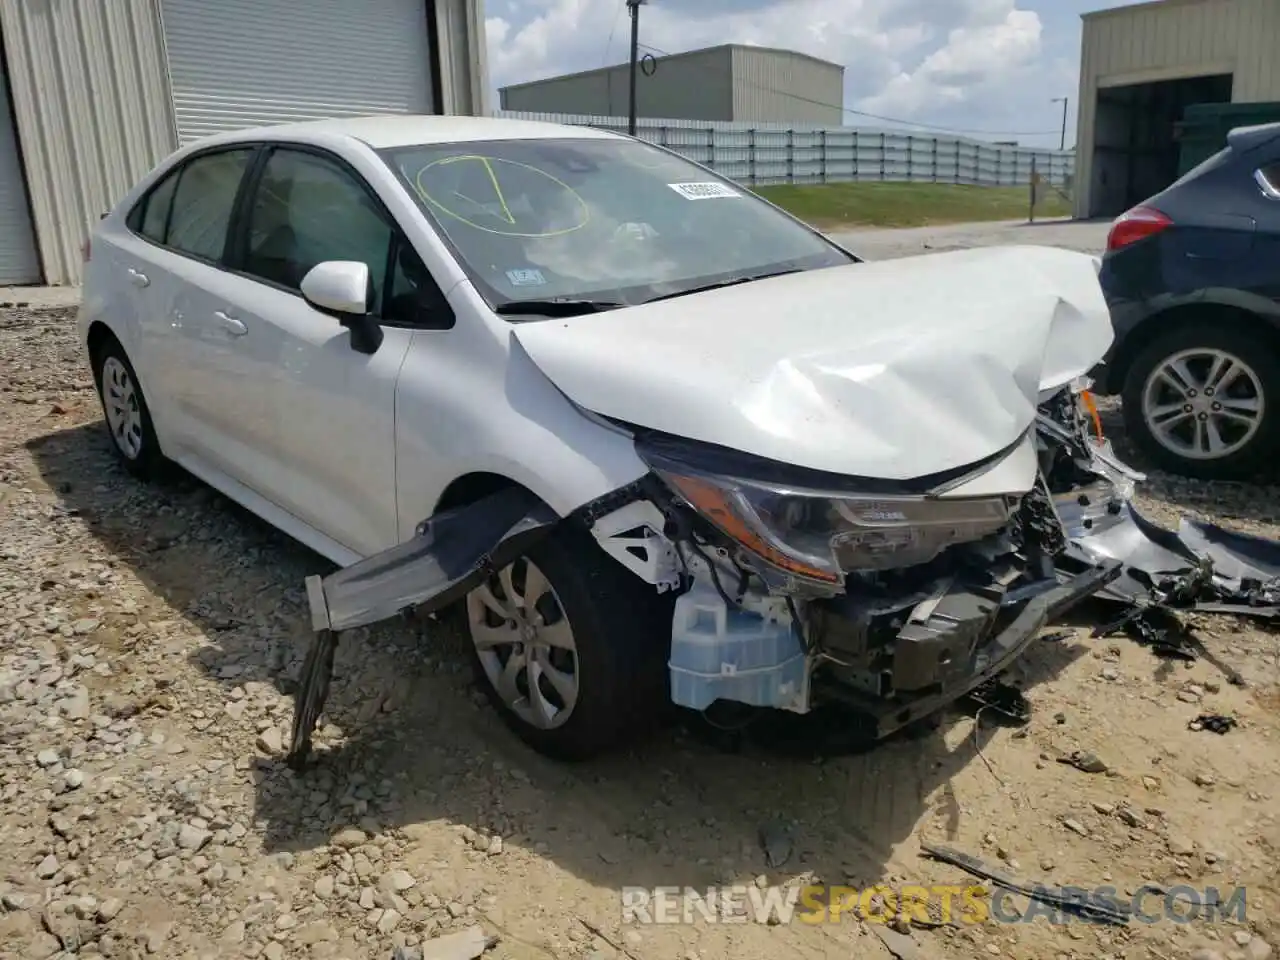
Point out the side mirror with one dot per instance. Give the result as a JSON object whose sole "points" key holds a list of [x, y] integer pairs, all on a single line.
{"points": [[344, 289]]}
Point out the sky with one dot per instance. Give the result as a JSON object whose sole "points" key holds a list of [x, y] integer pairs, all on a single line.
{"points": [[985, 68]]}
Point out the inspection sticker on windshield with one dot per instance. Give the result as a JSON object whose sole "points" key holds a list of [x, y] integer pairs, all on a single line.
{"points": [[703, 191], [529, 277]]}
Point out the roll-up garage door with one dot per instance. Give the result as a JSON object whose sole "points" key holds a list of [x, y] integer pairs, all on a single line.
{"points": [[242, 63], [18, 260]]}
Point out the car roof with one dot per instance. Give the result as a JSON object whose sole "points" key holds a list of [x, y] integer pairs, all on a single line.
{"points": [[381, 132]]}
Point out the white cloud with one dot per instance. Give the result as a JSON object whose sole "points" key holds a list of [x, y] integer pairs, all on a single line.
{"points": [[973, 58]]}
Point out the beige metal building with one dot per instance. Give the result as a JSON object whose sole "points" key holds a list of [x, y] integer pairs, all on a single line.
{"points": [[93, 93], [1141, 66], [729, 82]]}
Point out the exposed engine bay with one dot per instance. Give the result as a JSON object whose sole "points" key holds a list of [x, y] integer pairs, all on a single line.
{"points": [[794, 588]]}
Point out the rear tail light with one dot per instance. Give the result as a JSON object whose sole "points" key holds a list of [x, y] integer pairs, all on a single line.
{"points": [[1135, 225]]}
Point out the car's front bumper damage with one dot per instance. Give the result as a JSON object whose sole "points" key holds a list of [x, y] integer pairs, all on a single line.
{"points": [[896, 643], [980, 661]]}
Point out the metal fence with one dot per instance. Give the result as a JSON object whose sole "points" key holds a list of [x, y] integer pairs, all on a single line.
{"points": [[762, 154]]}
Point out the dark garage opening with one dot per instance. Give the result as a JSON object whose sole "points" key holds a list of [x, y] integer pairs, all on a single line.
{"points": [[1134, 151]]}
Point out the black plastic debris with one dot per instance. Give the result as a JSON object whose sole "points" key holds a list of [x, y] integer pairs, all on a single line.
{"points": [[1214, 723], [313, 691], [1002, 699], [1069, 900], [775, 840]]}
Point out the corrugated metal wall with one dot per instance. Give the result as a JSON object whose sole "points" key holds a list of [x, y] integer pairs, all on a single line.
{"points": [[246, 63], [687, 86], [720, 84], [771, 86], [18, 260], [1168, 40], [93, 111]]}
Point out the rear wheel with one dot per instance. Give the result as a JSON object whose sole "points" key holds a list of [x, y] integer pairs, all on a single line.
{"points": [[133, 435], [571, 647], [1205, 402]]}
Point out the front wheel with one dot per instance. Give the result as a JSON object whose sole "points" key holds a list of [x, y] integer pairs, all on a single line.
{"points": [[571, 647], [1205, 402]]}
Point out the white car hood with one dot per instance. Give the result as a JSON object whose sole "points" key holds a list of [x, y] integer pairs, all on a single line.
{"points": [[896, 369]]}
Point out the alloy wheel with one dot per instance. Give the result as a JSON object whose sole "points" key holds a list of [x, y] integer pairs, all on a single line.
{"points": [[1203, 404]]}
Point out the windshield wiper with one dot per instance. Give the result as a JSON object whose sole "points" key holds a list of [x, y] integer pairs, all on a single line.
{"points": [[555, 307], [723, 283]]}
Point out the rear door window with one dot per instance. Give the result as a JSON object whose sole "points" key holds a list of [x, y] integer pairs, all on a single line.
{"points": [[202, 203], [153, 219]]}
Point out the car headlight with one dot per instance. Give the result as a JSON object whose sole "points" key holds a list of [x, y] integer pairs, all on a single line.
{"points": [[820, 535]]}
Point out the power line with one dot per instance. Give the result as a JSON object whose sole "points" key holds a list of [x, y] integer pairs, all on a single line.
{"points": [[881, 117], [609, 43]]}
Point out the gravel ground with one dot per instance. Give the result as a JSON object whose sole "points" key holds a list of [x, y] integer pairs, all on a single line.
{"points": [[149, 635]]}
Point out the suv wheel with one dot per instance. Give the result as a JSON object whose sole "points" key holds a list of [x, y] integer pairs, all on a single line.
{"points": [[1205, 402], [571, 647]]}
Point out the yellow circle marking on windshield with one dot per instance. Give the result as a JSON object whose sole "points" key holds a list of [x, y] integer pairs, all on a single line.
{"points": [[489, 163]]}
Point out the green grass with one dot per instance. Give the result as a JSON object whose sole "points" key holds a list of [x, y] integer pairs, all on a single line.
{"points": [[835, 205]]}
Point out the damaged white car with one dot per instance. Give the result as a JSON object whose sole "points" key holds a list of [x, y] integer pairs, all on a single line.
{"points": [[661, 440]]}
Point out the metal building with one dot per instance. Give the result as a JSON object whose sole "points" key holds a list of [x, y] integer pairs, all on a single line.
{"points": [[729, 82], [93, 93], [1141, 67]]}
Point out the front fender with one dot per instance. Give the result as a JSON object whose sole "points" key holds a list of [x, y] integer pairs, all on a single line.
{"points": [[448, 425]]}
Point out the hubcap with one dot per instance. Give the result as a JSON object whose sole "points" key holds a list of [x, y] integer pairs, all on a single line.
{"points": [[525, 644], [1203, 404], [120, 399]]}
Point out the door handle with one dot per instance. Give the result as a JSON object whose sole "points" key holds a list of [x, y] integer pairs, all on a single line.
{"points": [[229, 323], [138, 279]]}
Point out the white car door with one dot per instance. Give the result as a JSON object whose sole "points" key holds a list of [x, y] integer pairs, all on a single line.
{"points": [[166, 257], [333, 408]]}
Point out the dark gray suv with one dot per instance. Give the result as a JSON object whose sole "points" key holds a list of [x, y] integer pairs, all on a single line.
{"points": [[1192, 276]]}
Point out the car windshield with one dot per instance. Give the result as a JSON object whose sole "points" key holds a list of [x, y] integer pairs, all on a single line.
{"points": [[595, 224]]}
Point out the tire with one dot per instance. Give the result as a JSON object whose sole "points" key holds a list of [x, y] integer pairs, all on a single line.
{"points": [[621, 631], [124, 408], [1246, 448]]}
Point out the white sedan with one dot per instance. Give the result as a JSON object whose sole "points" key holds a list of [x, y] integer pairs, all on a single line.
{"points": [[749, 467]]}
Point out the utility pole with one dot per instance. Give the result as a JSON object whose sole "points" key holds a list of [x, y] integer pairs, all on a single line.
{"points": [[633, 7], [1062, 143]]}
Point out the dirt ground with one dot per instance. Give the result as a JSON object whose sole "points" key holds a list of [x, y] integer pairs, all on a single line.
{"points": [[148, 639]]}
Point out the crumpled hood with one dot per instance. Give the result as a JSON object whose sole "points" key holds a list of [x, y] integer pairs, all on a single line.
{"points": [[895, 369]]}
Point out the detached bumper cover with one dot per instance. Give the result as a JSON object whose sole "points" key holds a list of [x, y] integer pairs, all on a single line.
{"points": [[453, 552], [1200, 567]]}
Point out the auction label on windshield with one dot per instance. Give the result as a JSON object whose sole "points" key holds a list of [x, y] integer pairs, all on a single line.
{"points": [[703, 191], [527, 277]]}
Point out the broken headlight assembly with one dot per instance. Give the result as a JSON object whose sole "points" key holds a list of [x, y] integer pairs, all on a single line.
{"points": [[809, 536]]}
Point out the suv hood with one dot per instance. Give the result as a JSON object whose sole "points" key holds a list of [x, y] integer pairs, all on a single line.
{"points": [[895, 369]]}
